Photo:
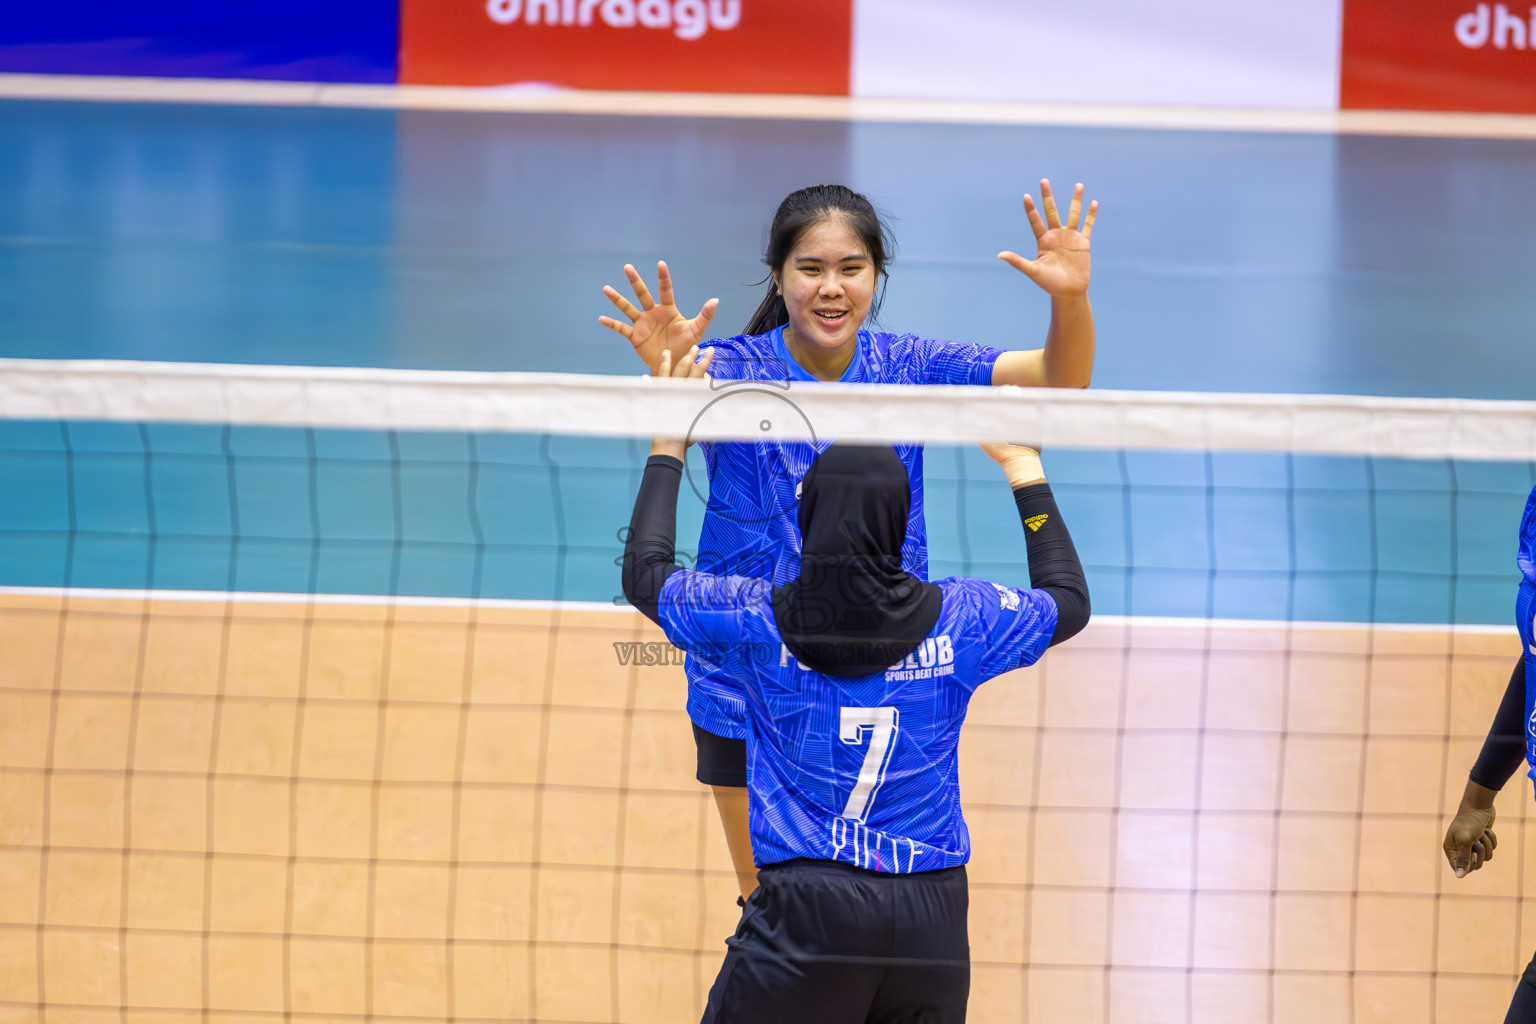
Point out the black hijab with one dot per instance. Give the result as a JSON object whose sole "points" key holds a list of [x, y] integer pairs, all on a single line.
{"points": [[854, 610]]}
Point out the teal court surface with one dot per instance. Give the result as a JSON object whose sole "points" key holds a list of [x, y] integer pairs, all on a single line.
{"points": [[1224, 261]]}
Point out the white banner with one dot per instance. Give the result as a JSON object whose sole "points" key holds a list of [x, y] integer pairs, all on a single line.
{"points": [[1183, 52]]}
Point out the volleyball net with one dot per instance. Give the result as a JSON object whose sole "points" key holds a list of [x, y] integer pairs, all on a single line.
{"points": [[318, 700]]}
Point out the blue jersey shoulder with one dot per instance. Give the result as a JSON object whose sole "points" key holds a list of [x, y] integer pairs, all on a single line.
{"points": [[1526, 558]]}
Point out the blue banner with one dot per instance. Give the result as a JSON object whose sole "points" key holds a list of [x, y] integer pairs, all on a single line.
{"points": [[325, 41]]}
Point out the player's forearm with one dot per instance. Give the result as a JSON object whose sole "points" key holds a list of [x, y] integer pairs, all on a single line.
{"points": [[1477, 797], [650, 547], [1067, 361], [1054, 566], [1504, 747]]}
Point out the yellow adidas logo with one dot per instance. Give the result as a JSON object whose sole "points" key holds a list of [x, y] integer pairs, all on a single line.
{"points": [[1035, 522]]}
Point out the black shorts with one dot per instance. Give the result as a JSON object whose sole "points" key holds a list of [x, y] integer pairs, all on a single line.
{"points": [[1522, 1006], [826, 943], [722, 761]]}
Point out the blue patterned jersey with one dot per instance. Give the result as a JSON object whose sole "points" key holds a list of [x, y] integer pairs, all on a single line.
{"points": [[861, 770], [751, 523], [1525, 612]]}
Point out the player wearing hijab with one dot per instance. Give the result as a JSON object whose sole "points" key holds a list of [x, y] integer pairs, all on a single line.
{"points": [[854, 677], [1511, 741], [827, 254]]}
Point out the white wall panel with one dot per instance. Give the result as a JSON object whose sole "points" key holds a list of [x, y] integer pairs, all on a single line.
{"points": [[1193, 52]]}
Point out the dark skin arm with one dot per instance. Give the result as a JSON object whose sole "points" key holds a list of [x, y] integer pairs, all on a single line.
{"points": [[1470, 839]]}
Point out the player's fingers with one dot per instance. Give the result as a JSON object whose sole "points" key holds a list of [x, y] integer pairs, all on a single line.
{"points": [[625, 306], [1048, 200], [1019, 263], [638, 284], [1036, 223], [1075, 210], [1458, 851], [705, 359], [613, 325], [706, 314], [1093, 211], [663, 283], [689, 367], [1491, 841], [664, 368]]}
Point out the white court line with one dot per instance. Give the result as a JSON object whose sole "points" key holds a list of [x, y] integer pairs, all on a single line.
{"points": [[262, 597], [407, 601], [544, 100]]}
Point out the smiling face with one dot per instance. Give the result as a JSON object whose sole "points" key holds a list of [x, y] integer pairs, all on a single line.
{"points": [[828, 283]]}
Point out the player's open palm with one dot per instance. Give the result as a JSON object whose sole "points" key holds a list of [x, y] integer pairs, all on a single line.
{"points": [[1061, 264], [1470, 840], [656, 325]]}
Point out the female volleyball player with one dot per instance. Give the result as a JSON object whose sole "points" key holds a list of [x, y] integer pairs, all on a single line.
{"points": [[827, 256], [854, 677], [1470, 841]]}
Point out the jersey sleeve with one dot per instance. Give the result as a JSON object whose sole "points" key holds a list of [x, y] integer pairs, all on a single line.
{"points": [[951, 362], [1525, 558], [718, 618], [745, 357], [1010, 627]]}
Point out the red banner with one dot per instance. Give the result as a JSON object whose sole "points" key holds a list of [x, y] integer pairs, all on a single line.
{"points": [[1439, 55], [764, 46]]}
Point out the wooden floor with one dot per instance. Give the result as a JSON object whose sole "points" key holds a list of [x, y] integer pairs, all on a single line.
{"points": [[260, 809]]}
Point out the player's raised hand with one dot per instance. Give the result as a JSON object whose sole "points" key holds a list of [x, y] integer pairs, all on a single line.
{"points": [[1470, 840], [656, 324], [1061, 263]]}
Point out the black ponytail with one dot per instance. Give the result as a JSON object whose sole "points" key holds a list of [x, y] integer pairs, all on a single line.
{"points": [[771, 312], [799, 212]]}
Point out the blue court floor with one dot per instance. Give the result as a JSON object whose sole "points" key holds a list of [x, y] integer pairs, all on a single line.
{"points": [[1223, 261]]}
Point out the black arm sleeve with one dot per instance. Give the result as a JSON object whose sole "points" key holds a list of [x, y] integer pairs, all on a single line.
{"points": [[1053, 563], [1504, 749], [649, 548]]}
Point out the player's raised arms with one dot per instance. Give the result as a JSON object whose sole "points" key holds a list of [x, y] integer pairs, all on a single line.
{"points": [[827, 255]]}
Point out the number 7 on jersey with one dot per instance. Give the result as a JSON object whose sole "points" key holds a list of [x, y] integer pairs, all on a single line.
{"points": [[880, 726]]}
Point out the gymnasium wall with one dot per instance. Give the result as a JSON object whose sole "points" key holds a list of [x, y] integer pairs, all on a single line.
{"points": [[1464, 55]]}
